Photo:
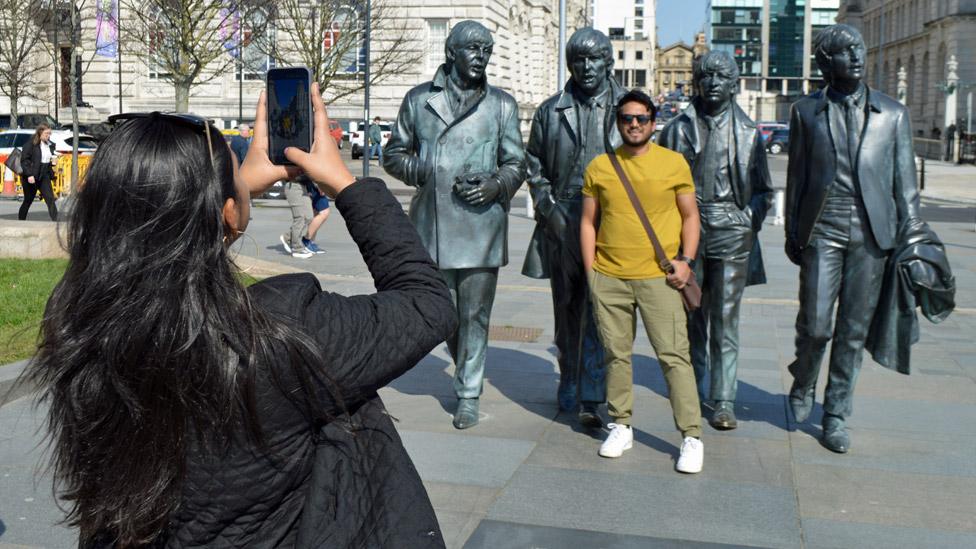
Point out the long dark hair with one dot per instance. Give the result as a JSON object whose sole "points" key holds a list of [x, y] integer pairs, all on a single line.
{"points": [[41, 128], [149, 342]]}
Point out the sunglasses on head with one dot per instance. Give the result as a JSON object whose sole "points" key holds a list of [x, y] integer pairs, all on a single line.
{"points": [[193, 121], [641, 119]]}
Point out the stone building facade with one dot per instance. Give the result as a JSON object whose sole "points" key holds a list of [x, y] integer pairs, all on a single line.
{"points": [[920, 36], [524, 63], [674, 64]]}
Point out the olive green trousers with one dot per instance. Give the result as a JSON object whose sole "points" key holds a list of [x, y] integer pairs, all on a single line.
{"points": [[616, 303]]}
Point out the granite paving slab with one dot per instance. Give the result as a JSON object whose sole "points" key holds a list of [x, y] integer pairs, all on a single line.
{"points": [[493, 534]]}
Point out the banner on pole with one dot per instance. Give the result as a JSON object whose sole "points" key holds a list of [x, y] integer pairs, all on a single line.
{"points": [[107, 28]]}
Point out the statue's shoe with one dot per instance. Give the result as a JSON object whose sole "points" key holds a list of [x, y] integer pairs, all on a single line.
{"points": [[801, 402], [835, 437], [466, 414], [589, 417], [723, 418]]}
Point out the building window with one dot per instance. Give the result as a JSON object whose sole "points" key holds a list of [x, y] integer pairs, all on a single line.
{"points": [[620, 54], [639, 11], [255, 61], [618, 75], [639, 24], [436, 36], [639, 55], [640, 79]]}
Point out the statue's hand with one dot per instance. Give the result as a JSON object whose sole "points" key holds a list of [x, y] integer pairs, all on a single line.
{"points": [[793, 252], [478, 189], [556, 221]]}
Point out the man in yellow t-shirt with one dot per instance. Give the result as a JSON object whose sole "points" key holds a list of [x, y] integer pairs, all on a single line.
{"points": [[625, 276]]}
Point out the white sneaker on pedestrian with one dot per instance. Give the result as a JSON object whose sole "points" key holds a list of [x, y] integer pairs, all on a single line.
{"points": [[621, 438], [284, 242], [302, 253], [692, 456]]}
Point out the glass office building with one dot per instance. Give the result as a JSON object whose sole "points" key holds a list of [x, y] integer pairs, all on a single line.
{"points": [[736, 27]]}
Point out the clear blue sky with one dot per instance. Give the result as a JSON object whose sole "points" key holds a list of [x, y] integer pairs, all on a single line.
{"points": [[679, 20]]}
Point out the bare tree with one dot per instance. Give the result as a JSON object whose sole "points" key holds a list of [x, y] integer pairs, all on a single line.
{"points": [[22, 25], [327, 37], [187, 42]]}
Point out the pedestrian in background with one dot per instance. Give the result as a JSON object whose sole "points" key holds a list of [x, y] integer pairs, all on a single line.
{"points": [[37, 159], [320, 204], [240, 143], [300, 202], [376, 140]]}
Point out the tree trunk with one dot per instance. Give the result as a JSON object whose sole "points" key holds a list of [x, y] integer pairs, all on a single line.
{"points": [[14, 97], [182, 95]]}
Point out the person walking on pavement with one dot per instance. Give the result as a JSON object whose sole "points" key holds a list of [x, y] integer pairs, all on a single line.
{"points": [[240, 143], [37, 159], [732, 184], [300, 204], [626, 277], [320, 205], [376, 140]]}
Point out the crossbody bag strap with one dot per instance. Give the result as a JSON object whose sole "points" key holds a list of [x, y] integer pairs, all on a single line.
{"points": [[662, 257]]}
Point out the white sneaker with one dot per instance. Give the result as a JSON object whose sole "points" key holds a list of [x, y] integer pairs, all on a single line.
{"points": [[302, 253], [692, 456], [621, 438], [284, 242]]}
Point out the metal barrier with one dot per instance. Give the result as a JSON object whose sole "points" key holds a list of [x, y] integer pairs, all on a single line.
{"points": [[932, 149], [61, 184]]}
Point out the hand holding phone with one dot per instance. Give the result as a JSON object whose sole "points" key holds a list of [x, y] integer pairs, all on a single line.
{"points": [[289, 114], [322, 163]]}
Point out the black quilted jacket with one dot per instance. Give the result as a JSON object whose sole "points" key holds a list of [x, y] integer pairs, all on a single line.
{"points": [[349, 483]]}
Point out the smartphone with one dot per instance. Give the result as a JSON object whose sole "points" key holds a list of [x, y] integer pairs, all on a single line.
{"points": [[289, 111]]}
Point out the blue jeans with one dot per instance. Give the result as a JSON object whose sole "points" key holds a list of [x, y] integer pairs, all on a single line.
{"points": [[376, 150]]}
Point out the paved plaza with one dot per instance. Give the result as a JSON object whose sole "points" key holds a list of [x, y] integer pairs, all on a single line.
{"points": [[529, 477]]}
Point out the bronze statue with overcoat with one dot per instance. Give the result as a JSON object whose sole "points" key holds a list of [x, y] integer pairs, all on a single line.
{"points": [[850, 191], [457, 140]]}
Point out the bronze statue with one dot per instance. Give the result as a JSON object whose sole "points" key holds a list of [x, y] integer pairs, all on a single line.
{"points": [[728, 163], [457, 140], [850, 189], [569, 130]]}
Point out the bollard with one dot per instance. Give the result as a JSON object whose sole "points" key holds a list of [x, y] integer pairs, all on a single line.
{"points": [[529, 208], [779, 207]]}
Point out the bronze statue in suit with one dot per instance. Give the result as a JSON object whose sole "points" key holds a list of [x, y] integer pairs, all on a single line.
{"points": [[457, 140], [850, 189], [728, 162], [569, 130]]}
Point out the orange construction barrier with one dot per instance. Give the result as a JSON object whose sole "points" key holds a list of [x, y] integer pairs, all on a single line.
{"points": [[61, 184]]}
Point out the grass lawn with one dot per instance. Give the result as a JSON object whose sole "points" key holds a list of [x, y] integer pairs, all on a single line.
{"points": [[25, 285]]}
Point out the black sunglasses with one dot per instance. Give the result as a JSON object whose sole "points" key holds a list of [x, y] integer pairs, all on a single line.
{"points": [[641, 119], [185, 119]]}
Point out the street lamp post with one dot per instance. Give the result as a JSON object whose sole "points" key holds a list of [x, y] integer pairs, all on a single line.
{"points": [[367, 151]]}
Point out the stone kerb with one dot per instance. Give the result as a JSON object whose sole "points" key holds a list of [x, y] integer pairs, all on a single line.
{"points": [[29, 240]]}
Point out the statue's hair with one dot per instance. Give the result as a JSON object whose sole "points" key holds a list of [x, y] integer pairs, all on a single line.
{"points": [[586, 40], [718, 61], [461, 34], [834, 39]]}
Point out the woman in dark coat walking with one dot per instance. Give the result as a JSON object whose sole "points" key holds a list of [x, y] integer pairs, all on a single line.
{"points": [[188, 411], [36, 160]]}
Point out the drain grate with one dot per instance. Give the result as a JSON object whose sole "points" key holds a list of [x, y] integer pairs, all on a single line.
{"points": [[514, 333]]}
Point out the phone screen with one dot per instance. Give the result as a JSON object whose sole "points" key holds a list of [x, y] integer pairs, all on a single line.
{"points": [[289, 112]]}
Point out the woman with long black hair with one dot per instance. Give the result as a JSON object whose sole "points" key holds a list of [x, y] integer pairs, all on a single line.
{"points": [[188, 411], [37, 159]]}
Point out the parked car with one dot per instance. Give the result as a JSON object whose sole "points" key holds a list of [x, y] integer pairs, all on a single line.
{"points": [[276, 191], [778, 141], [766, 128], [28, 121], [335, 130], [356, 139], [62, 139]]}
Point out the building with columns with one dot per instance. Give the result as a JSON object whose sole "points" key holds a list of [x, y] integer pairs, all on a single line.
{"points": [[922, 37], [524, 63], [674, 64]]}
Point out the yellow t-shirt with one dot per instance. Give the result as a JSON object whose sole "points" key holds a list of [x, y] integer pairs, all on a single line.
{"points": [[623, 249]]}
